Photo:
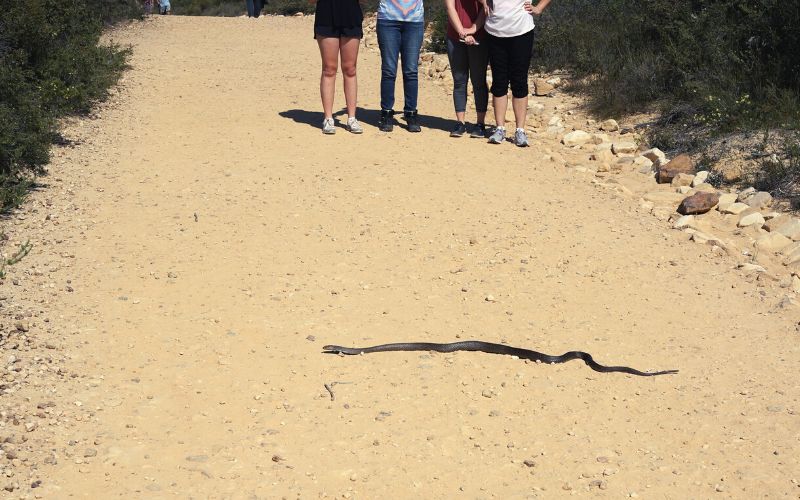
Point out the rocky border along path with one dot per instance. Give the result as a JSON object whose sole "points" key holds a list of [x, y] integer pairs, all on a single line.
{"points": [[763, 243]]}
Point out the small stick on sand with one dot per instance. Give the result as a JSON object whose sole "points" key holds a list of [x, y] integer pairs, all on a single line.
{"points": [[330, 391]]}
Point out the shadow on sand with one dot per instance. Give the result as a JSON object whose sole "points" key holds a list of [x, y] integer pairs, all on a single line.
{"points": [[366, 116]]}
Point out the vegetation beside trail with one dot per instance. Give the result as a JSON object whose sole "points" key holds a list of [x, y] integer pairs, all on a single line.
{"points": [[51, 65], [706, 69]]}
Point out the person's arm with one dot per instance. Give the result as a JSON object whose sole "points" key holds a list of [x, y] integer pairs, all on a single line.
{"points": [[452, 16], [540, 6]]}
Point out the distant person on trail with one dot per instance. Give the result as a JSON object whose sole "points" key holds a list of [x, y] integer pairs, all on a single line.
{"points": [[509, 33], [337, 29], [254, 7], [469, 57], [400, 30], [164, 7], [148, 6]]}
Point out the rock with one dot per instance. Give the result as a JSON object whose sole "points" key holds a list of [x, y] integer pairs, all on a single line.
{"points": [[536, 109], [600, 139], [759, 200], [773, 242], [707, 239], [792, 249], [683, 222], [680, 164], [625, 147], [576, 138], [745, 193], [751, 219], [700, 178], [656, 156], [682, 180], [609, 126], [705, 188], [644, 164], [751, 268], [698, 203], [684, 190], [795, 284], [791, 229], [604, 156], [542, 88], [774, 223], [727, 198], [733, 208]]}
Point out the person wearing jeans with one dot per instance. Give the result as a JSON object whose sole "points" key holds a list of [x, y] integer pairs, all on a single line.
{"points": [[254, 7], [509, 28], [400, 31], [468, 58]]}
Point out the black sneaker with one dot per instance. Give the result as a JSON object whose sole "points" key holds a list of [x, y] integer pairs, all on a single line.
{"points": [[386, 123], [411, 121], [459, 129], [478, 131]]}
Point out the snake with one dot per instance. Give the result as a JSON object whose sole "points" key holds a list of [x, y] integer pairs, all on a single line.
{"points": [[488, 347]]}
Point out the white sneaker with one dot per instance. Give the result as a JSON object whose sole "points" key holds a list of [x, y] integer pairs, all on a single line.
{"points": [[498, 136], [353, 126], [328, 127]]}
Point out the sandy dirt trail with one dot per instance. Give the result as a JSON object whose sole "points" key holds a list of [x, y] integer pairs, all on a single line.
{"points": [[224, 240]]}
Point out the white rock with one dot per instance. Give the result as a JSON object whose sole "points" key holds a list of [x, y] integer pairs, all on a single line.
{"points": [[752, 268], [727, 198], [656, 156], [733, 208], [643, 163], [700, 178], [743, 194], [773, 242], [683, 222], [536, 109], [683, 189], [625, 147], [600, 138], [609, 126], [791, 229], [751, 220], [576, 138]]}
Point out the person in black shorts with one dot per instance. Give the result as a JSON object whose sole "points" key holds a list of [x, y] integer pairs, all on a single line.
{"points": [[337, 29]]}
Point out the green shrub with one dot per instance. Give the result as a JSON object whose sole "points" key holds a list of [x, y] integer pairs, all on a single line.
{"points": [[732, 60], [50, 65]]}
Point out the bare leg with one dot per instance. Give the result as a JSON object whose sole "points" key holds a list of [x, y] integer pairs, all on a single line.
{"points": [[329, 50], [349, 54], [460, 116], [520, 105], [500, 105]]}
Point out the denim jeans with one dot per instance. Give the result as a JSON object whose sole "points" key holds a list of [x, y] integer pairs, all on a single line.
{"points": [[254, 7], [404, 40], [468, 61]]}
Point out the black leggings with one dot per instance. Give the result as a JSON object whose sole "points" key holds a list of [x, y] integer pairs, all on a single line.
{"points": [[510, 59]]}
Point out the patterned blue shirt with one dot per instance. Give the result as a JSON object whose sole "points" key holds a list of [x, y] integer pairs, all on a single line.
{"points": [[401, 10]]}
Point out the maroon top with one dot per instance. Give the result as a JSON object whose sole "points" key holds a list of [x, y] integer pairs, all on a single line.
{"points": [[467, 11]]}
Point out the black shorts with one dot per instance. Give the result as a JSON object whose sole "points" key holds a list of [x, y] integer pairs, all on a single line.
{"points": [[338, 18], [338, 32]]}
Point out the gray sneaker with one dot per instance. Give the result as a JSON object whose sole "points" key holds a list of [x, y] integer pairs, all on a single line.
{"points": [[521, 138], [498, 136], [353, 126], [328, 127]]}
